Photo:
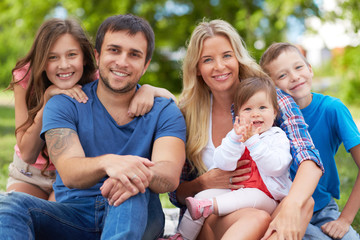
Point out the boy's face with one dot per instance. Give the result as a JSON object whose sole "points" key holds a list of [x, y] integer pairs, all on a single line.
{"points": [[291, 74]]}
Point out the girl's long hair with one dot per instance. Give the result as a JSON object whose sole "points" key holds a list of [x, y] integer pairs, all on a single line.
{"points": [[37, 57]]}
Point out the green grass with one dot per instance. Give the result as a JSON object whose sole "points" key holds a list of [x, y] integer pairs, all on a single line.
{"points": [[346, 166], [348, 172]]}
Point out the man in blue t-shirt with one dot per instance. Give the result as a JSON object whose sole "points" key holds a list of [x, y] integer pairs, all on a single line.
{"points": [[110, 166]]}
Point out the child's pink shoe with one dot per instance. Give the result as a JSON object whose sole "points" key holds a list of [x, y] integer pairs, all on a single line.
{"points": [[177, 236], [199, 208]]}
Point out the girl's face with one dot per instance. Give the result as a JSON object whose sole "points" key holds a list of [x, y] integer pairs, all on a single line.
{"points": [[218, 65], [65, 62], [259, 111]]}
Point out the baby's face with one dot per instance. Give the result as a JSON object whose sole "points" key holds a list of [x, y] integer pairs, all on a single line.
{"points": [[291, 74], [258, 111]]}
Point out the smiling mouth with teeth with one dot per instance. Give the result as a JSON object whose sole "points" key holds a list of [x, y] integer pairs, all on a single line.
{"points": [[65, 75], [221, 77], [120, 74]]}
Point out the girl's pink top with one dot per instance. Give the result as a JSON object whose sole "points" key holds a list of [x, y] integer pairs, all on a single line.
{"points": [[18, 75]]}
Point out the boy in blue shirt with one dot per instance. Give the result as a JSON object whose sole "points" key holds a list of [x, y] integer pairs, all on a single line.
{"points": [[330, 124]]}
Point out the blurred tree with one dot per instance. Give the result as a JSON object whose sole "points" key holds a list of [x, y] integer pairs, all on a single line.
{"points": [[346, 61], [350, 9], [259, 22], [347, 67]]}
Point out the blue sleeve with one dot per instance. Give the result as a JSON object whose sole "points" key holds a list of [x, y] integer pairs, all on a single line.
{"points": [[171, 122], [293, 124], [59, 112], [346, 128]]}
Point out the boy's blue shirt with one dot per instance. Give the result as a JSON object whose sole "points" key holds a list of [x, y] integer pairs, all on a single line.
{"points": [[330, 124]]}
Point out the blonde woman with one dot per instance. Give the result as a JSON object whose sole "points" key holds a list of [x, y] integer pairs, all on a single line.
{"points": [[215, 62]]}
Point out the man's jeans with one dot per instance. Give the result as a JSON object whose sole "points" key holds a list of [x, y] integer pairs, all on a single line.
{"points": [[26, 217], [327, 214]]}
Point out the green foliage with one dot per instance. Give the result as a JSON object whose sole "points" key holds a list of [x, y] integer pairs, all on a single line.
{"points": [[347, 66], [172, 20], [7, 142], [348, 172], [350, 10]]}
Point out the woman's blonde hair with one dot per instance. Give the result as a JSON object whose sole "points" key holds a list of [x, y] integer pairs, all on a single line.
{"points": [[195, 97]]}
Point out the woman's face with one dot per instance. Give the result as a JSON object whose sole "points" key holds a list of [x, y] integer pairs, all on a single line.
{"points": [[65, 62], [218, 65]]}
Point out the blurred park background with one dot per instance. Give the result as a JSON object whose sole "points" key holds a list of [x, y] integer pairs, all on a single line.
{"points": [[327, 29]]}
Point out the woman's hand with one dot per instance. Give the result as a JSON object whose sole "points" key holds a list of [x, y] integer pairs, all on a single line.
{"points": [[216, 178], [75, 92]]}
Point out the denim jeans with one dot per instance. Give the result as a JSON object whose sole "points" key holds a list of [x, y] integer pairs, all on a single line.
{"points": [[329, 213], [26, 217]]}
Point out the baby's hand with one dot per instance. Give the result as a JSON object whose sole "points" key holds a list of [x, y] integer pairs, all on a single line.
{"points": [[239, 126], [246, 130]]}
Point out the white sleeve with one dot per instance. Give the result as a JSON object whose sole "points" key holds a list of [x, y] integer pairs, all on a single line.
{"points": [[271, 152], [229, 152]]}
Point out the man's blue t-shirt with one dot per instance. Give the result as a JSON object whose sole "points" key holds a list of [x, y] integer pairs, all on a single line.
{"points": [[330, 124], [99, 133]]}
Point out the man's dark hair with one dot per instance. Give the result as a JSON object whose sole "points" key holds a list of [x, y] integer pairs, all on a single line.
{"points": [[133, 24]]}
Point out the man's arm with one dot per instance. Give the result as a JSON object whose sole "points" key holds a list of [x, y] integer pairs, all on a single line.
{"points": [[78, 171], [168, 157]]}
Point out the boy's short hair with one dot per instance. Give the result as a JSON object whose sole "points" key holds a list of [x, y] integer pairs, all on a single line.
{"points": [[274, 51]]}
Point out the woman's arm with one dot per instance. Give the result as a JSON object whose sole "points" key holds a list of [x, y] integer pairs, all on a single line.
{"points": [[214, 178]]}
